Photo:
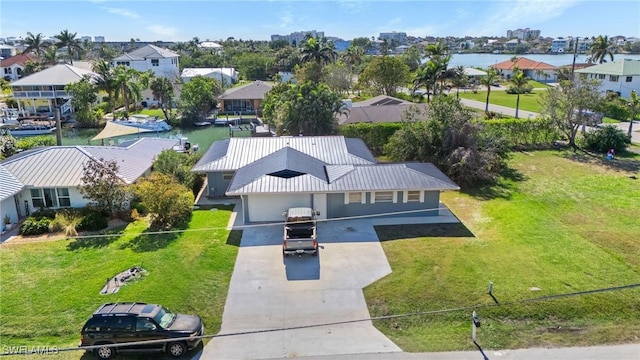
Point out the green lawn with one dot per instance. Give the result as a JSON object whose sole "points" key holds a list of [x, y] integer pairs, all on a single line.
{"points": [[49, 289], [536, 84], [570, 223], [528, 102]]}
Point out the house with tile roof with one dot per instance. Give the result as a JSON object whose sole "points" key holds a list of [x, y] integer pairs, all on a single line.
{"points": [[245, 99], [535, 70], [12, 68], [336, 175], [50, 177], [621, 76], [39, 91], [161, 61]]}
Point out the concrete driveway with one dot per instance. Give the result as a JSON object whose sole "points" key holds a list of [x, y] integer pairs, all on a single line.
{"points": [[270, 292]]}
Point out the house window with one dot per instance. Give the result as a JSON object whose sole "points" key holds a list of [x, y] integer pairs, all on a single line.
{"points": [[354, 198], [614, 78], [227, 176], [50, 198], [155, 62], [384, 196], [7, 70], [601, 76], [37, 199], [414, 196], [123, 63], [629, 79], [63, 197]]}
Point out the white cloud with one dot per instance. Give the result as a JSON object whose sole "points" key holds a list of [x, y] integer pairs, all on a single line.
{"points": [[162, 30], [353, 6], [122, 12], [286, 19]]}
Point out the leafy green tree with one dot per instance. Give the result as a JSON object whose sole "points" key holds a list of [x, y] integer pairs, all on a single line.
{"points": [[50, 55], [127, 84], [105, 81], [571, 105], [308, 108], [179, 166], [69, 40], [170, 203], [34, 44], [412, 58], [467, 153], [362, 42], [198, 97], [600, 49], [488, 81], [338, 77], [162, 89], [253, 66], [102, 184], [84, 95], [385, 75]]}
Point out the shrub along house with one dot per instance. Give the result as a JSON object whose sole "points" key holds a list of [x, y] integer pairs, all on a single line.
{"points": [[50, 177], [335, 175]]}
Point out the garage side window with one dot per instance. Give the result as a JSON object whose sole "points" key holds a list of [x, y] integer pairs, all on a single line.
{"points": [[227, 176], [384, 197], [354, 198]]}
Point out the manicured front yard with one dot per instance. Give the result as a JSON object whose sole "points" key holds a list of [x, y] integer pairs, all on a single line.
{"points": [[568, 224], [528, 102], [50, 288]]}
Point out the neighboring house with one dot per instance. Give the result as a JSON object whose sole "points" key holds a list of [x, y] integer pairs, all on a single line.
{"points": [[7, 51], [226, 76], [513, 43], [379, 109], [534, 70], [37, 92], [474, 74], [245, 99], [150, 57], [621, 76], [50, 177], [560, 45], [210, 45], [335, 175], [13, 67]]}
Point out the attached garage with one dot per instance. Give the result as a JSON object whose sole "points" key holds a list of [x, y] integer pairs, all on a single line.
{"points": [[269, 207]]}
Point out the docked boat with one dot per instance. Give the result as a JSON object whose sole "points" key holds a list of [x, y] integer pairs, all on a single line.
{"points": [[27, 129], [184, 145], [145, 122]]}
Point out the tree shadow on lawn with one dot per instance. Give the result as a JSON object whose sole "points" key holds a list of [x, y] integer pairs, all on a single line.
{"points": [[151, 240], [625, 161], [395, 232], [502, 189]]}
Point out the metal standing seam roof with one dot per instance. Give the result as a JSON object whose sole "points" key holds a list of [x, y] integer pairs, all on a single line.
{"points": [[254, 90], [10, 185], [147, 52], [239, 152], [623, 67], [62, 166], [61, 74], [377, 113], [374, 177]]}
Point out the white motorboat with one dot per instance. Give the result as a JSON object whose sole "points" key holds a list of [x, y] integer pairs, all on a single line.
{"points": [[184, 145], [145, 122], [27, 129]]}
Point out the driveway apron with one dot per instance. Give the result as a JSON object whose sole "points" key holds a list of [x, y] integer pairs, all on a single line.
{"points": [[318, 299]]}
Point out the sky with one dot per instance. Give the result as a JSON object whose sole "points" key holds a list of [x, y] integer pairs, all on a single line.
{"points": [[257, 20]]}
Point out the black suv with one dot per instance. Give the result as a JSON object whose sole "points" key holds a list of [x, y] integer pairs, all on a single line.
{"points": [[119, 323]]}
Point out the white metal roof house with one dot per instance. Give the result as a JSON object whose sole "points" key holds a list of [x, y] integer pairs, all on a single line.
{"points": [[49, 177], [621, 76], [150, 57], [226, 76], [337, 176], [35, 92]]}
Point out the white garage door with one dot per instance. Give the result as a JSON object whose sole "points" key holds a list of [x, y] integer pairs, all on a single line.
{"points": [[270, 207]]}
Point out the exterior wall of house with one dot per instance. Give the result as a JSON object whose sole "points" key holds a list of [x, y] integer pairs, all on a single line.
{"points": [[216, 183], [8, 207], [617, 83], [546, 76], [166, 67], [76, 200], [12, 73], [336, 206]]}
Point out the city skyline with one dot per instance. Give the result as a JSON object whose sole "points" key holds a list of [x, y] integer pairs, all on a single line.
{"points": [[346, 19]]}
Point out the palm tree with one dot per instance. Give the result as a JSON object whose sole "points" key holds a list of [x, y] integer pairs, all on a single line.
{"points": [[50, 55], [488, 80], [519, 82], [354, 56], [600, 48], [634, 109], [126, 80], [34, 44], [436, 50], [427, 76], [105, 80], [68, 40], [459, 79], [319, 51]]}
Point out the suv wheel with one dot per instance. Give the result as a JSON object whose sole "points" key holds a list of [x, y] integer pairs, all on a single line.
{"points": [[105, 352], [176, 349]]}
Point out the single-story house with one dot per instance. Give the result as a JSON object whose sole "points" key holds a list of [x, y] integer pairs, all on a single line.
{"points": [[621, 76], [335, 175], [211, 45], [13, 67], [245, 99], [226, 76], [378, 109], [50, 177], [37, 92], [535, 70]]}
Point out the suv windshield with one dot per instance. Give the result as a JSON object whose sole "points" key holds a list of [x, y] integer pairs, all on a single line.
{"points": [[164, 318]]}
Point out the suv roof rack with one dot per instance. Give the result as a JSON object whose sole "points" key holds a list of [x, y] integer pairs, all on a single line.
{"points": [[114, 305]]}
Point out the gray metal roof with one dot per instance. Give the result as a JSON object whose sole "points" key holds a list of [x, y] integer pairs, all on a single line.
{"points": [[10, 185], [239, 152], [254, 90], [372, 177], [377, 113], [62, 166], [62, 74], [147, 52]]}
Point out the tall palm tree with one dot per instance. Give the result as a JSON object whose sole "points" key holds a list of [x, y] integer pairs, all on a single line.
{"points": [[105, 80], [50, 55], [69, 40], [459, 79], [600, 49], [34, 44], [436, 49], [519, 82], [319, 51], [126, 80], [634, 109], [488, 80], [354, 56], [427, 76]]}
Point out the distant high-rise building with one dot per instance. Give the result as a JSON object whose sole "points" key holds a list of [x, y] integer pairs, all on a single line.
{"points": [[298, 37], [398, 37], [523, 34], [98, 39], [87, 38]]}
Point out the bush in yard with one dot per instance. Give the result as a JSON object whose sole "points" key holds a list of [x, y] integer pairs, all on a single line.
{"points": [[35, 226], [375, 135], [67, 221], [91, 221], [615, 109], [44, 213], [605, 138], [170, 203]]}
